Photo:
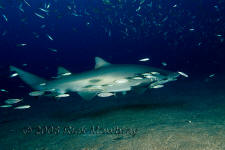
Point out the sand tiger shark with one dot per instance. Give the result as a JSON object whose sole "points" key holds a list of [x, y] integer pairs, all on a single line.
{"points": [[104, 78]]}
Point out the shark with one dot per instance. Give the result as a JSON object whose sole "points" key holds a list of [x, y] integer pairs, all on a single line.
{"points": [[104, 78]]}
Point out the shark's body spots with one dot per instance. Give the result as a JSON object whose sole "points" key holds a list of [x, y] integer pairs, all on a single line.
{"points": [[94, 80]]}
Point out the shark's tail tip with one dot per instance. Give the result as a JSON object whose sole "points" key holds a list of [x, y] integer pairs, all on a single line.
{"points": [[31, 79]]}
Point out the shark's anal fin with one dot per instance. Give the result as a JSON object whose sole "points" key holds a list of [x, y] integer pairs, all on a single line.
{"points": [[87, 95], [99, 62]]}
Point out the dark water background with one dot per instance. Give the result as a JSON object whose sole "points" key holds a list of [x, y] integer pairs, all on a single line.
{"points": [[188, 35], [198, 51]]}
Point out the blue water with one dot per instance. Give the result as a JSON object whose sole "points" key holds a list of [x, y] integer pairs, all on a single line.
{"points": [[161, 31], [188, 35]]}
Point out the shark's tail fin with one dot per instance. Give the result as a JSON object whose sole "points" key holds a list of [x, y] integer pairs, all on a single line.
{"points": [[30, 79]]}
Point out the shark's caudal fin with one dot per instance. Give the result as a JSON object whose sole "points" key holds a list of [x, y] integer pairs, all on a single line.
{"points": [[30, 79], [99, 62]]}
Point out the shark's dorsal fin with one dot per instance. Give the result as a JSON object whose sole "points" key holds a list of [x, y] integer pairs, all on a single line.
{"points": [[99, 62], [63, 71]]}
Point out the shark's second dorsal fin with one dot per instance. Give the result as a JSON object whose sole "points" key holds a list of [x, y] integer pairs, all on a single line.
{"points": [[99, 62], [63, 71]]}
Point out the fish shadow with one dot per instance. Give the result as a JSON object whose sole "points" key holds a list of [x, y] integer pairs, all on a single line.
{"points": [[104, 111]]}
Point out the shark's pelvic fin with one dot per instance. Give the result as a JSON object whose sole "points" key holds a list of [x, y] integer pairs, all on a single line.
{"points": [[32, 80], [62, 71], [87, 95], [99, 62]]}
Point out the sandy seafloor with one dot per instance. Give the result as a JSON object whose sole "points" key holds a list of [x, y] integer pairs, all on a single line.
{"points": [[187, 114]]}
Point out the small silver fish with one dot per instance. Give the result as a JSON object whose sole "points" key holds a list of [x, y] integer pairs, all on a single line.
{"points": [[146, 74], [164, 64], [44, 10], [21, 45], [40, 16], [50, 37], [42, 84], [174, 6], [144, 59], [105, 94], [22, 107], [36, 93], [141, 2], [48, 6], [5, 106], [20, 8], [155, 73], [14, 75], [138, 9], [212, 75], [157, 86], [183, 74], [4, 16], [13, 101], [137, 78], [53, 50], [150, 76], [3, 90], [66, 74], [63, 95], [26, 3]]}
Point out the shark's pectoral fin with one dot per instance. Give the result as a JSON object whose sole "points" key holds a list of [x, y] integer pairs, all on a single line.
{"points": [[87, 95]]}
